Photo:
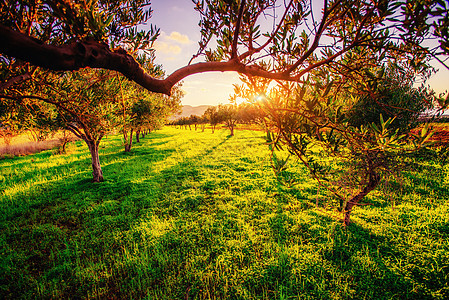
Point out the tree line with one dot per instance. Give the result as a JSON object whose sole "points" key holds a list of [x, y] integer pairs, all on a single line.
{"points": [[88, 104], [228, 115]]}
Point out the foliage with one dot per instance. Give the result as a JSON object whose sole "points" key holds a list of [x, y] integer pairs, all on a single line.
{"points": [[141, 110], [111, 21], [394, 97], [212, 116], [228, 114], [198, 215], [250, 114], [346, 158], [300, 37]]}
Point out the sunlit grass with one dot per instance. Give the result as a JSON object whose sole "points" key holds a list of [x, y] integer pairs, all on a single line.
{"points": [[190, 214]]}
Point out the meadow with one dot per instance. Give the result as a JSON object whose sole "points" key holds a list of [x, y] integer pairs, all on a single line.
{"points": [[194, 215]]}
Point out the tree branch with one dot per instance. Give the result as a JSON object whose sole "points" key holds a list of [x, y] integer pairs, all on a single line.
{"points": [[323, 25], [258, 49], [14, 80], [231, 65], [237, 30], [76, 131], [75, 56], [79, 55]]}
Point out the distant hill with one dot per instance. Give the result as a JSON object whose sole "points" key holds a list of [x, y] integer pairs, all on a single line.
{"points": [[188, 110]]}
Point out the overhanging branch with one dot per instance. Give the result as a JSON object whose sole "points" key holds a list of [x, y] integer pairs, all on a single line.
{"points": [[14, 80], [77, 55]]}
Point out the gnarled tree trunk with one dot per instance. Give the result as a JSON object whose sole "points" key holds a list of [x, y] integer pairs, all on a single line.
{"points": [[93, 145], [231, 128], [96, 167], [373, 181], [128, 143], [138, 136]]}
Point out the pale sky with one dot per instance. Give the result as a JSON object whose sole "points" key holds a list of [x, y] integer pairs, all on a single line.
{"points": [[178, 42]]}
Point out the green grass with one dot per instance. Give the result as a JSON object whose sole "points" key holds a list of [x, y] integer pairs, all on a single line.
{"points": [[195, 215]]}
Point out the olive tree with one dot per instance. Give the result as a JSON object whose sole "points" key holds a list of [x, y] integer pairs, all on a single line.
{"points": [[86, 101], [228, 114], [321, 123], [212, 116]]}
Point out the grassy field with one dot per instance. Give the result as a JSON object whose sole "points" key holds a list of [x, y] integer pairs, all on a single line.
{"points": [[195, 215]]}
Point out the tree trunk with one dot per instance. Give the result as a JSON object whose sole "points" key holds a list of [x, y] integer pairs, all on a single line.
{"points": [[64, 143], [138, 136], [96, 167], [232, 130], [128, 143], [143, 134], [373, 181]]}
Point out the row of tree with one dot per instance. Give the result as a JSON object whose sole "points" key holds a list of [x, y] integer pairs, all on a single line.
{"points": [[89, 103], [230, 115]]}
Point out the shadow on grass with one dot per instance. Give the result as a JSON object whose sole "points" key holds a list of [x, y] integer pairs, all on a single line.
{"points": [[378, 266], [66, 182], [120, 169]]}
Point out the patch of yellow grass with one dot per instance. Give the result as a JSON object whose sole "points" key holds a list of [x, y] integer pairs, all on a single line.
{"points": [[24, 145], [27, 148]]}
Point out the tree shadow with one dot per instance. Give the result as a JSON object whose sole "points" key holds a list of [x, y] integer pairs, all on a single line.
{"points": [[362, 255]]}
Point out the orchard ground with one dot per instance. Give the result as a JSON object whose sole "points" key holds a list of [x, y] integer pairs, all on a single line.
{"points": [[193, 215]]}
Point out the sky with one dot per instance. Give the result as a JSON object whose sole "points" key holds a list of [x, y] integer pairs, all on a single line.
{"points": [[178, 42]]}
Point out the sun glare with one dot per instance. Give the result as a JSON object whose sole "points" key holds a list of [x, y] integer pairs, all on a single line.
{"points": [[259, 98]]}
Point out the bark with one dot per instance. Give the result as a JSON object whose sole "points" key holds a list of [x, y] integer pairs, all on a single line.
{"points": [[64, 144], [96, 167], [137, 136], [128, 143], [373, 181], [12, 81], [77, 55], [231, 127], [143, 134]]}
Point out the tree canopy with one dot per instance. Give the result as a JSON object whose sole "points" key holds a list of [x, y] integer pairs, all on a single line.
{"points": [[69, 35]]}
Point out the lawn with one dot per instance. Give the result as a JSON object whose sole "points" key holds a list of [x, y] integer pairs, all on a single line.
{"points": [[194, 215]]}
